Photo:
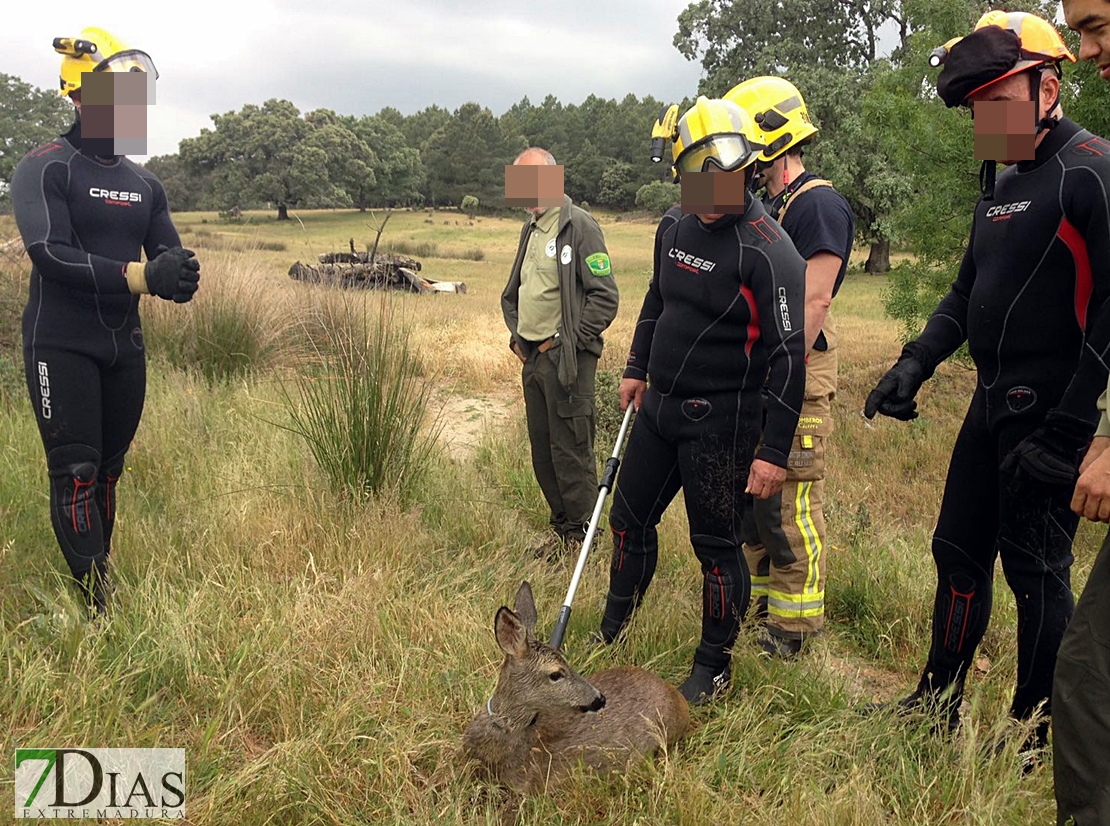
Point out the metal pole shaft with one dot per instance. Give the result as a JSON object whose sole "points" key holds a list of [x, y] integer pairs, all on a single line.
{"points": [[607, 481]]}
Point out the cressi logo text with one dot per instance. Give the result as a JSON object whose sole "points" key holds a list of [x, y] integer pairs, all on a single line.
{"points": [[691, 262], [117, 196]]}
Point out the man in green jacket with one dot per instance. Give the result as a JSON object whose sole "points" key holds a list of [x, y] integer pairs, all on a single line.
{"points": [[560, 297]]}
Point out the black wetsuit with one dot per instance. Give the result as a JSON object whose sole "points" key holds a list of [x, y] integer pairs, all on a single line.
{"points": [[723, 318], [1030, 299], [82, 220]]}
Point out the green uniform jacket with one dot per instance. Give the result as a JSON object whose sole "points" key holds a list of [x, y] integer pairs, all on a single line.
{"points": [[587, 290]]}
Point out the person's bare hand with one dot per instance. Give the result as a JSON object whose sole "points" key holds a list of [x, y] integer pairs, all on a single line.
{"points": [[1092, 492], [631, 391], [765, 479], [519, 354]]}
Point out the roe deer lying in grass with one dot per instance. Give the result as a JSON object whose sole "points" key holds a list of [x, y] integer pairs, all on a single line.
{"points": [[544, 716]]}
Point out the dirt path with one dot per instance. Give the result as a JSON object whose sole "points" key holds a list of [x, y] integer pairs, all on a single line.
{"points": [[465, 419]]}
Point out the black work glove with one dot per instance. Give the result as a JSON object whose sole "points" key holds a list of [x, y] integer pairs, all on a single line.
{"points": [[893, 395], [173, 274], [1050, 454]]}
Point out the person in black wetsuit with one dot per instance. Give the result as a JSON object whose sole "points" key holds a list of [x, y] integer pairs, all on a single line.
{"points": [[84, 219], [723, 316], [1030, 300]]}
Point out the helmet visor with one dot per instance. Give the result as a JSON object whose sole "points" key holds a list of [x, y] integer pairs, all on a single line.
{"points": [[131, 60], [726, 152]]}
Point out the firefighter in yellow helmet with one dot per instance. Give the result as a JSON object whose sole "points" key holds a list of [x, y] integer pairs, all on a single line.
{"points": [[785, 542], [86, 218], [721, 321], [1030, 301]]}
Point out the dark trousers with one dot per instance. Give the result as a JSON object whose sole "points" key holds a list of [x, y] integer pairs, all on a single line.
{"points": [[703, 446], [986, 515], [88, 410], [561, 434], [1081, 706]]}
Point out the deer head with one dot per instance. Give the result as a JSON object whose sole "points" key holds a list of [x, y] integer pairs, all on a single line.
{"points": [[535, 679]]}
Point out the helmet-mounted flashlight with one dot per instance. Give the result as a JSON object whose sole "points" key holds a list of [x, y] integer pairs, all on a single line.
{"points": [[73, 47], [938, 55], [662, 131]]}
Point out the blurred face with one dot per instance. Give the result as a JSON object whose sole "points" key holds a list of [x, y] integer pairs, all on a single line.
{"points": [[113, 110], [533, 184], [1006, 117], [713, 194]]}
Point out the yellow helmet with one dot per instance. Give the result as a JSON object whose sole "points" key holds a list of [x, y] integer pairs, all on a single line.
{"points": [[95, 50], [1001, 45], [778, 110], [717, 132]]}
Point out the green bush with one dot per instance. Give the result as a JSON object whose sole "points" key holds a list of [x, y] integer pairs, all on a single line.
{"points": [[469, 205], [658, 196], [362, 412], [609, 415]]}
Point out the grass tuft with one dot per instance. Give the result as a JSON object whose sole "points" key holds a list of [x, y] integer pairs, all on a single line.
{"points": [[362, 410]]}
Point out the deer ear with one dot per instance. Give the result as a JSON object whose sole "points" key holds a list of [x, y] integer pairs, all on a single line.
{"points": [[525, 606], [511, 634]]}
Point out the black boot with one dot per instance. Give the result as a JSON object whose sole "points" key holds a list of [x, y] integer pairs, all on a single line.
{"points": [[940, 703], [705, 683], [95, 588]]}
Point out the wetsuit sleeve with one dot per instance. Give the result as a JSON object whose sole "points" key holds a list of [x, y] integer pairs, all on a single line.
{"points": [[595, 274], [1088, 210], [162, 232], [946, 328], [652, 308], [778, 286], [41, 205]]}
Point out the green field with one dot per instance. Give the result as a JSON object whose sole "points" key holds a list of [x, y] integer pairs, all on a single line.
{"points": [[318, 654]]}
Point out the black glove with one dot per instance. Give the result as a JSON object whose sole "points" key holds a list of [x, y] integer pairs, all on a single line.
{"points": [[893, 395], [1050, 454], [173, 274]]}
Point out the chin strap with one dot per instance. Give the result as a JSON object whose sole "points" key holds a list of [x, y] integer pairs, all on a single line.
{"points": [[987, 174]]}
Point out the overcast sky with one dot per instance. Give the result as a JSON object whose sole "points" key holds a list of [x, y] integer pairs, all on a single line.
{"points": [[357, 56]]}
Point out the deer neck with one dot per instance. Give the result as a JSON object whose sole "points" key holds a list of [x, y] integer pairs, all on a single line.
{"points": [[506, 714]]}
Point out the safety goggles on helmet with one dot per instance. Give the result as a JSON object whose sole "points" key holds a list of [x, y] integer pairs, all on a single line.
{"points": [[726, 152], [131, 60]]}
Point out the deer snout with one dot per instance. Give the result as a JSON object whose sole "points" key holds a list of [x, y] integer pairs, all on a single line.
{"points": [[598, 704]]}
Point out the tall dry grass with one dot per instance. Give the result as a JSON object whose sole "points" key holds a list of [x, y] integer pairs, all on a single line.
{"points": [[318, 656]]}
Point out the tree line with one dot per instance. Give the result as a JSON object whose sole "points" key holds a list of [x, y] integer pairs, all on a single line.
{"points": [[902, 159]]}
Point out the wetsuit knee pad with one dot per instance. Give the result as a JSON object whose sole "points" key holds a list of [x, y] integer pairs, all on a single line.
{"points": [[112, 467], [727, 587], [958, 609], [75, 461], [73, 470]]}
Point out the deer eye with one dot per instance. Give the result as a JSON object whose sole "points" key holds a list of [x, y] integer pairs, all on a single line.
{"points": [[556, 676]]}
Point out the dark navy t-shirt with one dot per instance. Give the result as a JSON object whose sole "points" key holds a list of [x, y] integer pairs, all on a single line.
{"points": [[818, 220]]}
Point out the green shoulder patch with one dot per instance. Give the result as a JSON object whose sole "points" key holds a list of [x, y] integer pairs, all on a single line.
{"points": [[599, 264]]}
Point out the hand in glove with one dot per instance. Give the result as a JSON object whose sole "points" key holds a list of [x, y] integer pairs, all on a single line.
{"points": [[1051, 453], [893, 395], [173, 274]]}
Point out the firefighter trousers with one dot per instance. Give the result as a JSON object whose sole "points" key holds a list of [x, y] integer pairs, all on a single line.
{"points": [[784, 536]]}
